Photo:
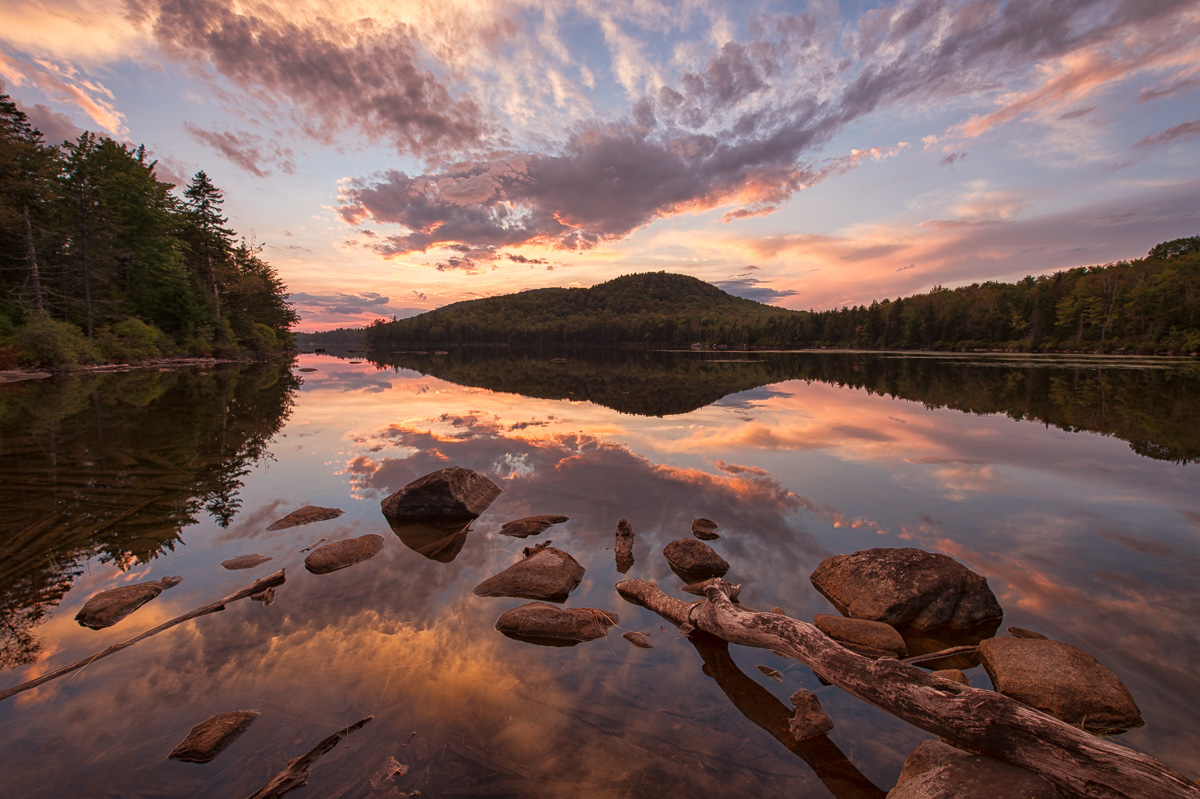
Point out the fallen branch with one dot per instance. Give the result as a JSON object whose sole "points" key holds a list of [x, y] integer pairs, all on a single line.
{"points": [[944, 653], [260, 584], [296, 773], [979, 721]]}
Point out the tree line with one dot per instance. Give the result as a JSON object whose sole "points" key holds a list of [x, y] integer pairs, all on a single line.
{"points": [[100, 261]]}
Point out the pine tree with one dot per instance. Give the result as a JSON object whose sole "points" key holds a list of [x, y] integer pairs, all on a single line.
{"points": [[203, 201]]}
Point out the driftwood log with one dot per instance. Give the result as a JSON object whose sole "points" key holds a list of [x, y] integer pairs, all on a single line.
{"points": [[297, 771], [978, 721], [261, 584]]}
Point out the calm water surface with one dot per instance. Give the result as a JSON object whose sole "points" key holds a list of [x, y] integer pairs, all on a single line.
{"points": [[1073, 485]]}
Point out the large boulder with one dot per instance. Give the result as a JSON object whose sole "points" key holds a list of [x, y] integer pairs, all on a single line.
{"points": [[908, 588], [531, 525], [453, 492], [694, 558], [549, 625], [209, 738], [546, 573], [936, 770], [874, 639], [108, 607], [1061, 680], [341, 554]]}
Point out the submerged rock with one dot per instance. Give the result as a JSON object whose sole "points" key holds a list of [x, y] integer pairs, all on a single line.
{"points": [[705, 529], [436, 539], [936, 770], [549, 625], [809, 719], [453, 492], [694, 558], [640, 640], [908, 588], [341, 554], [1061, 680], [245, 561], [545, 573], [209, 738], [874, 639], [108, 607], [306, 515], [531, 525]]}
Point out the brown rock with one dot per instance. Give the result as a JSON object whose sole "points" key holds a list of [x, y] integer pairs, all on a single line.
{"points": [[108, 607], [694, 558], [908, 588], [436, 539], [453, 492], [1061, 680], [546, 573], [340, 554], [809, 719], [936, 770], [306, 515], [531, 525], [640, 640], [245, 561], [623, 548], [953, 675], [1021, 632], [874, 639], [704, 529], [209, 738], [539, 623]]}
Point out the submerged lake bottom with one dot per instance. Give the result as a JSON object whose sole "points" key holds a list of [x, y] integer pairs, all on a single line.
{"points": [[1072, 484]]}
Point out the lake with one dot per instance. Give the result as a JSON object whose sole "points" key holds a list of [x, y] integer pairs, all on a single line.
{"points": [[1072, 483]]}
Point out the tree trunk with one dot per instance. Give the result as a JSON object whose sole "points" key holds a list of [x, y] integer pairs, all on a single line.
{"points": [[979, 721], [31, 254]]}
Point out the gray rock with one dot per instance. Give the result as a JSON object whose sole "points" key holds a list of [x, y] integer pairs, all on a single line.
{"points": [[341, 554], [546, 573], [539, 623], [531, 525], [453, 492], [306, 515], [874, 639], [108, 607], [809, 719], [694, 558], [245, 561], [936, 770], [1061, 680], [705, 529], [908, 588], [209, 738]]}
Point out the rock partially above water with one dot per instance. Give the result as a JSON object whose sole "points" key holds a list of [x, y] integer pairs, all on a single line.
{"points": [[453, 492], [245, 561], [531, 525], [1061, 680], [908, 588], [549, 625], [341, 554], [547, 573], [108, 607], [623, 546], [306, 515], [705, 529], [874, 639], [694, 558], [209, 738], [936, 770]]}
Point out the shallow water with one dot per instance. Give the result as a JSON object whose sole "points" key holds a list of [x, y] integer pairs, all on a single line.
{"points": [[1071, 484]]}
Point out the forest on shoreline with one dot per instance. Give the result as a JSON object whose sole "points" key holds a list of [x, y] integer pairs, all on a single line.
{"points": [[100, 262]]}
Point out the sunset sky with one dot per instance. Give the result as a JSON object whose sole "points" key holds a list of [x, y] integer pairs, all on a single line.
{"points": [[397, 156]]}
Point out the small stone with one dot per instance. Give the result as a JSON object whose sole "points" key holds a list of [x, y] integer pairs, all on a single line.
{"points": [[539, 623], [306, 515], [953, 675], [774, 674], [341, 554], [245, 561], [108, 607], [695, 558], [704, 529], [936, 770], [531, 525], [1021, 632], [453, 492], [209, 738], [809, 719], [546, 573], [874, 639], [640, 640]]}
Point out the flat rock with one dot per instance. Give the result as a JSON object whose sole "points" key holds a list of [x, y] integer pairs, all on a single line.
{"points": [[908, 588], [245, 561], [1061, 680], [209, 738], [531, 525], [640, 640], [705, 529], [936, 770], [550, 625], [306, 515], [341, 554], [108, 607], [694, 558], [873, 639], [546, 573], [453, 492]]}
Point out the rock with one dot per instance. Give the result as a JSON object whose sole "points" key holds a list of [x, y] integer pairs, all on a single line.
{"points": [[694, 558], [546, 573], [699, 590], [1021, 632], [306, 515], [245, 561], [704, 529], [936, 770], [453, 493], [306, 369], [809, 719], [436, 539], [624, 546], [340, 554], [640, 640], [108, 607], [209, 738], [1062, 680], [953, 675], [539, 623], [908, 588], [531, 525], [873, 639]]}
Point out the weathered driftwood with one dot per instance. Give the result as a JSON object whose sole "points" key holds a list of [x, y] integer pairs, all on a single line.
{"points": [[296, 773], [261, 584], [940, 654], [979, 721]]}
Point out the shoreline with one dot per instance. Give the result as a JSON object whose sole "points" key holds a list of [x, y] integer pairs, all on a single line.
{"points": [[21, 375]]}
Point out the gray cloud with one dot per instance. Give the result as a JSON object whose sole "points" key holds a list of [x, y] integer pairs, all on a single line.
{"points": [[351, 304], [252, 153], [1182, 131], [752, 289], [55, 127]]}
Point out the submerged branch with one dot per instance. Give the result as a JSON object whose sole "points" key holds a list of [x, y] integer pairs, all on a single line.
{"points": [[296, 773]]}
